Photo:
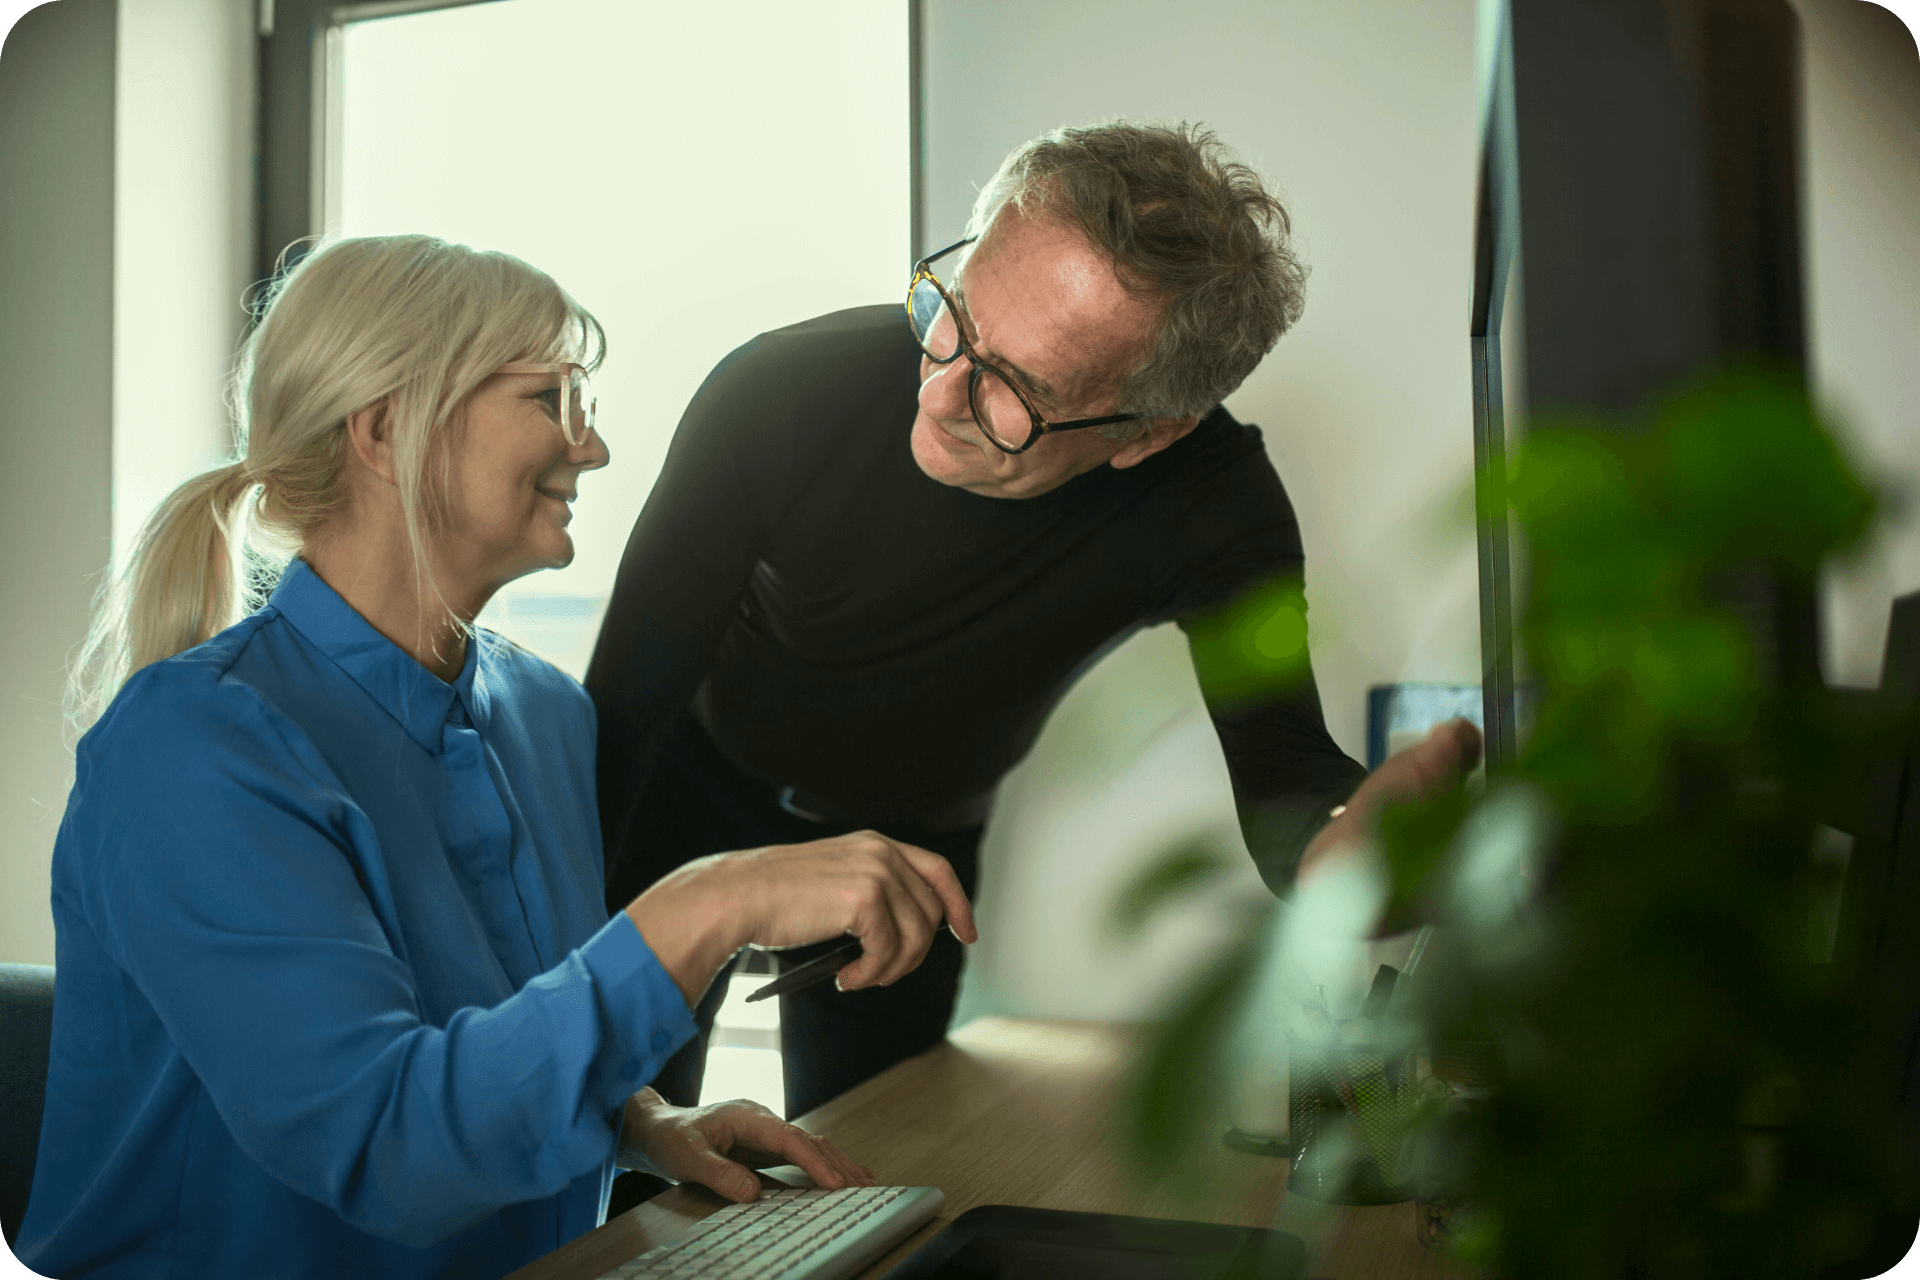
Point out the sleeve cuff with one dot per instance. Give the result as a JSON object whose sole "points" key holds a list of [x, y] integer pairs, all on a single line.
{"points": [[1278, 832], [640, 1000]]}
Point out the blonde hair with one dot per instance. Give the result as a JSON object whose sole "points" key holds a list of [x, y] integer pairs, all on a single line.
{"points": [[410, 323]]}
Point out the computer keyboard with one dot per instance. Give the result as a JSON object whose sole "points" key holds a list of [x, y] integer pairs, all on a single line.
{"points": [[794, 1234]]}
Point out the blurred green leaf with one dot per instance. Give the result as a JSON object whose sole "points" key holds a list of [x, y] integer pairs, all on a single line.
{"points": [[1751, 469], [1416, 836], [1254, 647], [1185, 868], [1656, 960], [1569, 481], [1393, 1115], [1474, 1237], [1170, 1095]]}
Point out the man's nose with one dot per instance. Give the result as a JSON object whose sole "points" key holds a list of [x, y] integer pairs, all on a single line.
{"points": [[944, 393]]}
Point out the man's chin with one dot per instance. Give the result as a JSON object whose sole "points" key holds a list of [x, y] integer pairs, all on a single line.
{"points": [[941, 457]]}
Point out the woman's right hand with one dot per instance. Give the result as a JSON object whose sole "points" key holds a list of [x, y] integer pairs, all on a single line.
{"points": [[890, 895]]}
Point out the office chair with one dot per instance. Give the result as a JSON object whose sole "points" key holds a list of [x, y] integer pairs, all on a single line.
{"points": [[26, 1032]]}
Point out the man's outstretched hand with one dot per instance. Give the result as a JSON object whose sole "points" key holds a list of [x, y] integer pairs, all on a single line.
{"points": [[1437, 761]]}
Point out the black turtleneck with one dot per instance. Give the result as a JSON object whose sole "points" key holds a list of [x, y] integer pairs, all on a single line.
{"points": [[844, 625]]}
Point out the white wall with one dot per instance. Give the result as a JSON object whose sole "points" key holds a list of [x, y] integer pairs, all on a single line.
{"points": [[1363, 114], [56, 256], [125, 237], [183, 241], [1862, 246]]}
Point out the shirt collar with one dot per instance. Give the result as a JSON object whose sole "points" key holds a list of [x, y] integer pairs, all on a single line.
{"points": [[407, 691]]}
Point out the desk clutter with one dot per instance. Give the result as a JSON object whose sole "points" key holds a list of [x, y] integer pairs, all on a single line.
{"points": [[1355, 1099], [1019, 1112]]}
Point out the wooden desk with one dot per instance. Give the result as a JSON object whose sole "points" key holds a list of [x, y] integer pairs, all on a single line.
{"points": [[1017, 1111]]}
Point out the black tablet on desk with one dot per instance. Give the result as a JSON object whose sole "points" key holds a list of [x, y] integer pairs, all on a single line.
{"points": [[1003, 1242]]}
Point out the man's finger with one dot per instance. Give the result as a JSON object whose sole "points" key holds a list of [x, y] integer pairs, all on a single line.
{"points": [[1471, 743]]}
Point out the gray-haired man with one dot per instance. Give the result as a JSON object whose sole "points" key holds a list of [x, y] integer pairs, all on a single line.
{"points": [[885, 540]]}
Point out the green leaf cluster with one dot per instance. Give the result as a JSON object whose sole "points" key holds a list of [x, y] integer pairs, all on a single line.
{"points": [[1645, 539], [1639, 960], [1662, 975]]}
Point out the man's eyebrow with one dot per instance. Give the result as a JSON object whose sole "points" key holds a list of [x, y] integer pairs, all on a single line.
{"points": [[1033, 382]]}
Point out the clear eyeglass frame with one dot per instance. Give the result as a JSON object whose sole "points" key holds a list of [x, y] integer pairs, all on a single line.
{"points": [[576, 393]]}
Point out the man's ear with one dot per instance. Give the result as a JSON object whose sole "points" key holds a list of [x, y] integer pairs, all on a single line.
{"points": [[1160, 433], [370, 433]]}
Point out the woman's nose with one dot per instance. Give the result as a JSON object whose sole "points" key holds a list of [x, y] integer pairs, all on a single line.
{"points": [[592, 453]]}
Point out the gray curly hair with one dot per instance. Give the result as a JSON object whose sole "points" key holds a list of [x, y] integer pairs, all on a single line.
{"points": [[1185, 224]]}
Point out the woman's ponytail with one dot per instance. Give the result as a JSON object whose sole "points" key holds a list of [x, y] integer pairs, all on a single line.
{"points": [[180, 585]]}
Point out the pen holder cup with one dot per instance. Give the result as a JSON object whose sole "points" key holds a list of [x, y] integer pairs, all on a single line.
{"points": [[1347, 1111]]}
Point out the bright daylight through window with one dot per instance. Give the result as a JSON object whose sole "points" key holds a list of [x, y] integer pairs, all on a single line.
{"points": [[694, 175]]}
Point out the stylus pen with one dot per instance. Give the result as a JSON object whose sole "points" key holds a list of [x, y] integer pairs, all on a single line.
{"points": [[812, 973]]}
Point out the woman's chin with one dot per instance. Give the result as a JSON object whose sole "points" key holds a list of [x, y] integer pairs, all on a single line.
{"points": [[550, 554], [558, 556]]}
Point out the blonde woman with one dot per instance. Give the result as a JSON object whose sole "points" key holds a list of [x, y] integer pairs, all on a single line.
{"points": [[336, 995]]}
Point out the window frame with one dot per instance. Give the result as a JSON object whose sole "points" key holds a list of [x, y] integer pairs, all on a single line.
{"points": [[297, 141], [298, 118]]}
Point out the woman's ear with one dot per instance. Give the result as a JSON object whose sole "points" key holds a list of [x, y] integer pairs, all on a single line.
{"points": [[370, 433]]}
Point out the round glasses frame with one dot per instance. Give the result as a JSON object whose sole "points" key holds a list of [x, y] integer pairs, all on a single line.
{"points": [[575, 389], [922, 270]]}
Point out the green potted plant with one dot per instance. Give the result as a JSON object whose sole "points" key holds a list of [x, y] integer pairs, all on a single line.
{"points": [[1631, 927]]}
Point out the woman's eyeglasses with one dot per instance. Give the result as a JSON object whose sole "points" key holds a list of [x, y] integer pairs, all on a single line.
{"points": [[573, 403]]}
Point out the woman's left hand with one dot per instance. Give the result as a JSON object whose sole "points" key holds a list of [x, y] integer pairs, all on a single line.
{"points": [[721, 1145]]}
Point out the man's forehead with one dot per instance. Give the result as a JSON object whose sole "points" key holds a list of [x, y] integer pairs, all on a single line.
{"points": [[1042, 297], [1032, 379]]}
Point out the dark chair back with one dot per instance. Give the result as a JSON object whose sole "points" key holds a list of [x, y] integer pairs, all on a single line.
{"points": [[26, 1032]]}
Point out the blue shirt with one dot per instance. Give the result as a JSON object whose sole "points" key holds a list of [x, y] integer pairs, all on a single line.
{"points": [[336, 991]]}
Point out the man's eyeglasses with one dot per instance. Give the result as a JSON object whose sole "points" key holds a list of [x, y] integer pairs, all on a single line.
{"points": [[1004, 413], [570, 389]]}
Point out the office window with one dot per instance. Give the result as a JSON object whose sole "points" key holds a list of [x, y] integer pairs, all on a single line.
{"points": [[743, 1054], [693, 174]]}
